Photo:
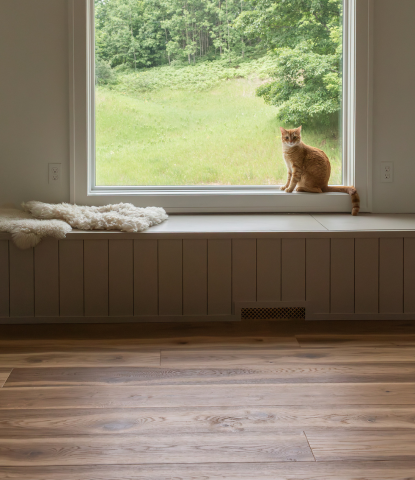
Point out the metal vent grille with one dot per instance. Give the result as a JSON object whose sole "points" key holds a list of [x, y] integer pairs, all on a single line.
{"points": [[290, 313]]}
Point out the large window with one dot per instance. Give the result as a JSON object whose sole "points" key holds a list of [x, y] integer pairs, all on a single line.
{"points": [[178, 104], [192, 92]]}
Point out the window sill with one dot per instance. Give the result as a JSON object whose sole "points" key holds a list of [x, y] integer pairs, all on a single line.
{"points": [[249, 200], [266, 225]]}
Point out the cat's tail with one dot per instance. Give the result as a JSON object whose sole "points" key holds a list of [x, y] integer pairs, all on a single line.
{"points": [[351, 191]]}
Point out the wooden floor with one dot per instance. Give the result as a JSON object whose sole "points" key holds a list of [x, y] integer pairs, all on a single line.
{"points": [[208, 402]]}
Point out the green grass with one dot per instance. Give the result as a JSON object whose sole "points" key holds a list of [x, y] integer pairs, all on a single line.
{"points": [[218, 133]]}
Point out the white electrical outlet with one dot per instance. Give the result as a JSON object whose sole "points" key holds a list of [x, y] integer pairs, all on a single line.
{"points": [[386, 172], [55, 172]]}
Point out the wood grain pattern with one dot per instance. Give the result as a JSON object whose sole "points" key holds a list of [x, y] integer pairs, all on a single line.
{"points": [[4, 374], [342, 275], [207, 395], [280, 373], [213, 341], [96, 278], [268, 270], [362, 445], [391, 275], [409, 275], [145, 357], [145, 277], [71, 278], [22, 298], [233, 357], [201, 420], [318, 274], [112, 332], [4, 278], [330, 341], [288, 447], [366, 275], [220, 277], [293, 269], [121, 265], [243, 270], [170, 257], [342, 406], [47, 278], [211, 471], [195, 277]]}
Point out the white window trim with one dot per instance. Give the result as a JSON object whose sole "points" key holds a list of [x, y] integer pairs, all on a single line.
{"points": [[357, 144]]}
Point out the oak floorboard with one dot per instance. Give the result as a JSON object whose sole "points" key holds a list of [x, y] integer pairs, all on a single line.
{"points": [[207, 395], [4, 375], [240, 357], [335, 341], [362, 445], [201, 420], [64, 344], [137, 449], [143, 358], [280, 373], [152, 331], [223, 471]]}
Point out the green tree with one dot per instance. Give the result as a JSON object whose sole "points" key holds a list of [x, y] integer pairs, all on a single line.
{"points": [[129, 32], [306, 38]]}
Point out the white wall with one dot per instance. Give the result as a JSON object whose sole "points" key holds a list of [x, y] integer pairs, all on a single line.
{"points": [[394, 104], [34, 101]]}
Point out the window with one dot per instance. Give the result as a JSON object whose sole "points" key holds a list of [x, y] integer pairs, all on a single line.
{"points": [[184, 100]]}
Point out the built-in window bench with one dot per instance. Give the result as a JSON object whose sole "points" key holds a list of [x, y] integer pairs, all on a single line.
{"points": [[213, 267]]}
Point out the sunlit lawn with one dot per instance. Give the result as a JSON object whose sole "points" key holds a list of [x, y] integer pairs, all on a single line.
{"points": [[223, 136]]}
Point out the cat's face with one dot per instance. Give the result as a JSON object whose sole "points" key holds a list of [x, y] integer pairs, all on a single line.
{"points": [[292, 137]]}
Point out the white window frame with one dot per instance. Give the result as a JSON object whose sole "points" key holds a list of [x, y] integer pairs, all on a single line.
{"points": [[357, 133]]}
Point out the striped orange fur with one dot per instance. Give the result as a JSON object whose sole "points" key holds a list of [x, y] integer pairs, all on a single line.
{"points": [[309, 168]]}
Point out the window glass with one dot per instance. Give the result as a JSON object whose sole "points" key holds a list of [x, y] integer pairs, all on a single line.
{"points": [[194, 92]]}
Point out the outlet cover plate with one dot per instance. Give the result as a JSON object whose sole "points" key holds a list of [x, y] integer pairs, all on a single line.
{"points": [[386, 172], [55, 173]]}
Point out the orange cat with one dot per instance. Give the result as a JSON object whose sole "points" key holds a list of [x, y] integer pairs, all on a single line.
{"points": [[309, 168]]}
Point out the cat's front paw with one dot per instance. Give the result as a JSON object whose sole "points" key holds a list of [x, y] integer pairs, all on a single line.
{"points": [[289, 190], [283, 188]]}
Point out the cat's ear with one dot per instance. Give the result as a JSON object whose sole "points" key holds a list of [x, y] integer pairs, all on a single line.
{"points": [[299, 129], [283, 131]]}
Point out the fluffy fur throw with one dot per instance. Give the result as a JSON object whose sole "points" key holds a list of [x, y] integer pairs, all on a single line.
{"points": [[39, 220], [123, 216], [26, 231]]}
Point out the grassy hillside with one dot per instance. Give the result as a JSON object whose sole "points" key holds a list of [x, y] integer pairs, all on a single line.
{"points": [[194, 126]]}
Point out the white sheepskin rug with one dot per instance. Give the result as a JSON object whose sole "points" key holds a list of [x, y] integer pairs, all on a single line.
{"points": [[123, 216], [39, 220], [26, 231]]}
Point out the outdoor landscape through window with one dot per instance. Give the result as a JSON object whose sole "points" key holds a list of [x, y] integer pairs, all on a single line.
{"points": [[192, 92]]}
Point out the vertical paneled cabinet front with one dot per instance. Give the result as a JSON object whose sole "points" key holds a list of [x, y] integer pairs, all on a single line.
{"points": [[243, 270], [219, 292], [96, 278], [121, 278], [22, 282], [170, 274], [293, 269], [46, 264], [198, 277], [195, 277]]}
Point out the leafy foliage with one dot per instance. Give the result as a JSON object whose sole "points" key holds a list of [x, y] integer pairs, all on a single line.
{"points": [[307, 88], [154, 44], [103, 72], [306, 38], [199, 77]]}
